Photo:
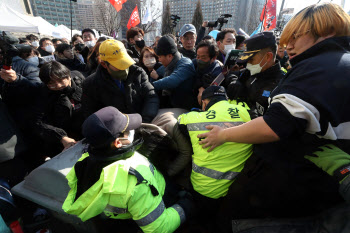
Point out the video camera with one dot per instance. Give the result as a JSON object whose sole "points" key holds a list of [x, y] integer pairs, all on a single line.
{"points": [[221, 21], [10, 48], [175, 19]]}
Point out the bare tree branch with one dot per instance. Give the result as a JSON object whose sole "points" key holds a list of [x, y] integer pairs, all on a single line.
{"points": [[108, 15]]}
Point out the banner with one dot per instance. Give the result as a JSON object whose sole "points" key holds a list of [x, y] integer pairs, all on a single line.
{"points": [[134, 18], [257, 30], [147, 17], [118, 4], [268, 15]]}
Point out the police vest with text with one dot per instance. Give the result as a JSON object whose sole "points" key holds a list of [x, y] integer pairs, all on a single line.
{"points": [[213, 172]]}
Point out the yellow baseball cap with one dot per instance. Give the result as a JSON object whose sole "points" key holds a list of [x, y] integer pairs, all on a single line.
{"points": [[114, 52]]}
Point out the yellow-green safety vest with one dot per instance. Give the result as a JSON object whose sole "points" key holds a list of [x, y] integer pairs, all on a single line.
{"points": [[213, 172], [118, 195]]}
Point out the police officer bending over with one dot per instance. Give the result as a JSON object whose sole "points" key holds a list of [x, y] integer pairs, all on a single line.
{"points": [[262, 75], [213, 172], [112, 178]]}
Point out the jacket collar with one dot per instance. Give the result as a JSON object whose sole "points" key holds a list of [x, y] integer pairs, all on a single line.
{"points": [[330, 44]]}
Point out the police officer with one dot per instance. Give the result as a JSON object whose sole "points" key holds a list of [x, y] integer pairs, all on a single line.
{"points": [[112, 178], [213, 172], [262, 74]]}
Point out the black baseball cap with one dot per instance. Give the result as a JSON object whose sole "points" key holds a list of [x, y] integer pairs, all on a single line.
{"points": [[105, 125], [256, 43], [214, 91]]}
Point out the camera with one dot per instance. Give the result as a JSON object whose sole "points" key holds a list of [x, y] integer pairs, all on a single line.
{"points": [[175, 19], [8, 50], [220, 21]]}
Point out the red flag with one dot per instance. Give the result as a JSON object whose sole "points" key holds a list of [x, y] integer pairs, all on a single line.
{"points": [[118, 4], [268, 15], [134, 18]]}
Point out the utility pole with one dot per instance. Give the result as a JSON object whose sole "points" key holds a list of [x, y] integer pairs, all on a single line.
{"points": [[71, 17], [280, 14]]}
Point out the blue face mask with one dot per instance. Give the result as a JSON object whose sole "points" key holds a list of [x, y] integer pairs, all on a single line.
{"points": [[33, 60]]}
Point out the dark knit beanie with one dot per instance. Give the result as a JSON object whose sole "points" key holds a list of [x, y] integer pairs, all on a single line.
{"points": [[166, 45]]}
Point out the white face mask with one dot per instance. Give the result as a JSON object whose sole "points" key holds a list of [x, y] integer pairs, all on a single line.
{"points": [[35, 43], [229, 47], [34, 60], [49, 48], [90, 44], [130, 136], [149, 63], [255, 69]]}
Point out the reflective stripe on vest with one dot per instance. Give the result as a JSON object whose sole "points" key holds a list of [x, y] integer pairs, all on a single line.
{"points": [[181, 212], [115, 210], [151, 168], [214, 174], [151, 217], [201, 126]]}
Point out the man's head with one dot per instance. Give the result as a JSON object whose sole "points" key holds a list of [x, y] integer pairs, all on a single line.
{"points": [[226, 40], [312, 25], [135, 37], [115, 59], [240, 42], [280, 50], [156, 40], [260, 53], [65, 41], [207, 52], [24, 41], [32, 37], [47, 45], [188, 36], [55, 76], [77, 39], [65, 51], [56, 42], [107, 128], [89, 37], [212, 95], [166, 50]]}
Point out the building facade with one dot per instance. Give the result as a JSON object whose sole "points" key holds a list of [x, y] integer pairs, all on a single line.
{"points": [[21, 6], [241, 10], [56, 11]]}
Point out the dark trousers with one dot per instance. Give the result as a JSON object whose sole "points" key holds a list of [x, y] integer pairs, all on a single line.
{"points": [[277, 190]]}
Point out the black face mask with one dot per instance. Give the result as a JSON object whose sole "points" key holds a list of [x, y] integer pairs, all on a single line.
{"points": [[66, 91], [140, 43], [79, 47]]}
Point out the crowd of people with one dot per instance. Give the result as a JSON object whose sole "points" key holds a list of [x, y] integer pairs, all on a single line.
{"points": [[205, 129]]}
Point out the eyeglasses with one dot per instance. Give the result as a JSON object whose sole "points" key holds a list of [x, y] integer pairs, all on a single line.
{"points": [[296, 36]]}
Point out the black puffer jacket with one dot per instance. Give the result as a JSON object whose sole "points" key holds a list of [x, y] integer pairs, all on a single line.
{"points": [[135, 54], [73, 64], [61, 114], [100, 90]]}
